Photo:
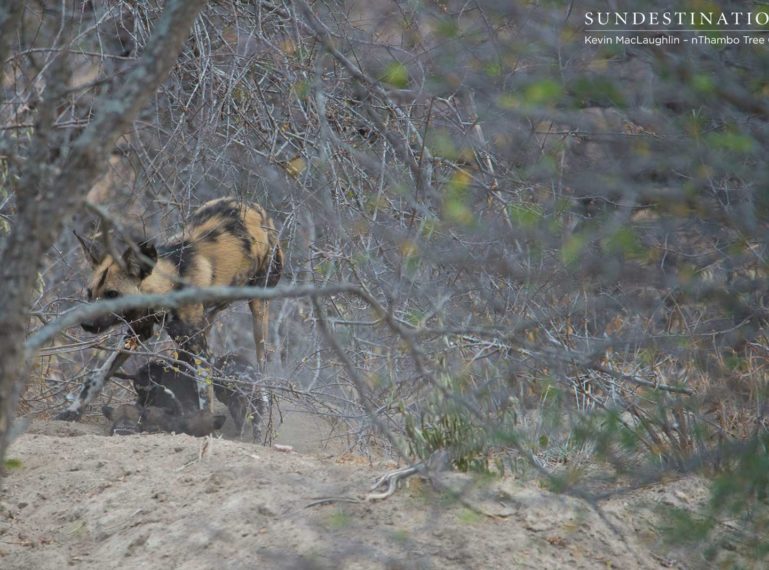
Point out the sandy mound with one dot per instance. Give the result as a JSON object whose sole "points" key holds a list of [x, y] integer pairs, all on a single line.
{"points": [[82, 499]]}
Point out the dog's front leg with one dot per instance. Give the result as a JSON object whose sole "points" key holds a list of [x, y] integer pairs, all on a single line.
{"points": [[193, 349]]}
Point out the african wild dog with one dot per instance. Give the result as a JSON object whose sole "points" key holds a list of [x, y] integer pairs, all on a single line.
{"points": [[160, 384], [128, 419], [227, 243]]}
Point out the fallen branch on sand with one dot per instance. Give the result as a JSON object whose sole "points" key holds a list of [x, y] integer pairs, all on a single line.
{"points": [[391, 481]]}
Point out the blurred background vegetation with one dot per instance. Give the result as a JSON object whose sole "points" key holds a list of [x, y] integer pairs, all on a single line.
{"points": [[567, 242]]}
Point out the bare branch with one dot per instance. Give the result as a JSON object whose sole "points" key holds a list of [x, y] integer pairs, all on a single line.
{"points": [[174, 300]]}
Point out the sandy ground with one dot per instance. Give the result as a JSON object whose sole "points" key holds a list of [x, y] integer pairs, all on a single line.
{"points": [[81, 499]]}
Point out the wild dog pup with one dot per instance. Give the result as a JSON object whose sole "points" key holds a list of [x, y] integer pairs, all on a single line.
{"points": [[226, 243], [130, 419], [162, 385]]}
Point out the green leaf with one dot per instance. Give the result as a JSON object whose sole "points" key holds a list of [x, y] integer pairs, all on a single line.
{"points": [[447, 28], [442, 145], [544, 92], [703, 82], [572, 249], [522, 216], [731, 141], [624, 241], [597, 91], [396, 75]]}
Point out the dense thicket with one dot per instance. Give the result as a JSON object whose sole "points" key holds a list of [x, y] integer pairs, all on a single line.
{"points": [[565, 243]]}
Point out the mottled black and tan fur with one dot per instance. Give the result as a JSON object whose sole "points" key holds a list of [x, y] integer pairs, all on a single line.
{"points": [[227, 243]]}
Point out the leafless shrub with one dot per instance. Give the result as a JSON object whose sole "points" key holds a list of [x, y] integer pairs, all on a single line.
{"points": [[546, 235]]}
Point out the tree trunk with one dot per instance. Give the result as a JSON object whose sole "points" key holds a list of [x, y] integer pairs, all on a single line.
{"points": [[47, 195]]}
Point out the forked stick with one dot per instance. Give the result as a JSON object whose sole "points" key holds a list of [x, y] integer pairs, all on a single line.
{"points": [[391, 480]]}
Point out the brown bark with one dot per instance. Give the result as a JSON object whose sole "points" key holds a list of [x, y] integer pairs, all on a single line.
{"points": [[48, 194]]}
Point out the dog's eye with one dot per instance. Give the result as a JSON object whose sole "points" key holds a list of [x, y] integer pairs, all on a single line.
{"points": [[111, 294]]}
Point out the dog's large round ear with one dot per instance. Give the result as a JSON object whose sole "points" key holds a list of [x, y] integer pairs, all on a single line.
{"points": [[93, 250], [140, 259]]}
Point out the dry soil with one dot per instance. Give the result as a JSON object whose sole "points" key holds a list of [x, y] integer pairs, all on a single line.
{"points": [[79, 498]]}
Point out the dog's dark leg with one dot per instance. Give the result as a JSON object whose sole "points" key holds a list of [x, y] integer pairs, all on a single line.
{"points": [[237, 387], [243, 406], [238, 408], [193, 349]]}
